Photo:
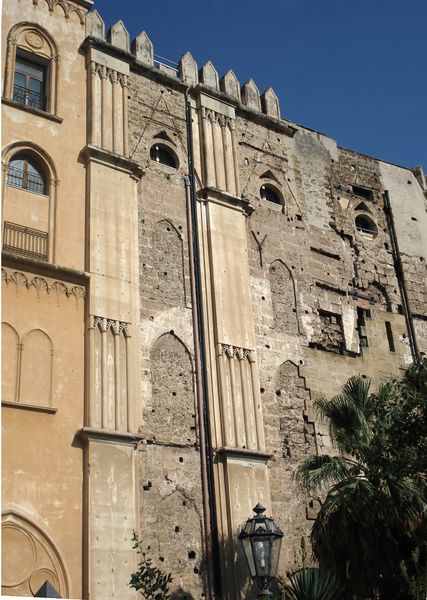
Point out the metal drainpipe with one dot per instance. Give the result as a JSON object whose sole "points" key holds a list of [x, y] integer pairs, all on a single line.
{"points": [[401, 277], [206, 452]]}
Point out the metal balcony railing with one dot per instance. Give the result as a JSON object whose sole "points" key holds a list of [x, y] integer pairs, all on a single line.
{"points": [[25, 241], [24, 180], [27, 97]]}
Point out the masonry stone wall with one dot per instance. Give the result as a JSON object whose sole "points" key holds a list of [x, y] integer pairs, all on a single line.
{"points": [[326, 305], [169, 459], [301, 290], [347, 316]]}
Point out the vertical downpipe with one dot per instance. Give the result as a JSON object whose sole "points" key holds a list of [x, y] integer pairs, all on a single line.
{"points": [[206, 452]]}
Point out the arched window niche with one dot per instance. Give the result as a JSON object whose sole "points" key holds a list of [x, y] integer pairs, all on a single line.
{"points": [[31, 70], [30, 557], [24, 172], [366, 226], [271, 194], [29, 200], [163, 154]]}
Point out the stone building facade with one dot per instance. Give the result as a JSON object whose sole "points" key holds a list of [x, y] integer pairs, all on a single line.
{"points": [[184, 272]]}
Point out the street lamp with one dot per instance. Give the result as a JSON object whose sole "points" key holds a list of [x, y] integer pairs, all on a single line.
{"points": [[261, 540]]}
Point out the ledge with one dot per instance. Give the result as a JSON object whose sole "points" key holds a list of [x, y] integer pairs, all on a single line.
{"points": [[90, 433], [38, 267], [33, 111], [243, 452], [239, 203], [107, 157], [44, 409]]}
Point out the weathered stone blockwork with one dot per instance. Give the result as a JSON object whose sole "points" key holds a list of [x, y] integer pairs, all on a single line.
{"points": [[184, 350]]}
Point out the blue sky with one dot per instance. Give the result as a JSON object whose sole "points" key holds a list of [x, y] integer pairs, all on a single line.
{"points": [[355, 70]]}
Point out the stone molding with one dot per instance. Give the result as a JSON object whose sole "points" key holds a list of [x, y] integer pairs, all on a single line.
{"points": [[112, 159], [211, 194], [38, 267], [89, 434], [104, 324], [68, 7], [247, 453], [43, 285], [108, 73], [241, 353]]}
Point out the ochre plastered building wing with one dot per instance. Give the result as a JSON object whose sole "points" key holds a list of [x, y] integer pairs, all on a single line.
{"points": [[184, 272]]}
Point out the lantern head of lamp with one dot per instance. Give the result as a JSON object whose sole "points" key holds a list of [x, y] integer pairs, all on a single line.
{"points": [[261, 540]]}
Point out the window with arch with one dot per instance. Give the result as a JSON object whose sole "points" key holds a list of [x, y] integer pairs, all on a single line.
{"points": [[26, 173], [164, 155], [366, 226], [31, 68], [271, 194], [29, 201]]}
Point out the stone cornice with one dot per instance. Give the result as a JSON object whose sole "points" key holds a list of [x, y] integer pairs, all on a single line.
{"points": [[34, 111], [111, 159], [246, 453], [88, 434], [33, 407], [38, 267], [239, 203]]}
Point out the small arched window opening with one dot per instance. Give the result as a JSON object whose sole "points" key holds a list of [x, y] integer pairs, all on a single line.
{"points": [[366, 226], [24, 172], [32, 63], [164, 155], [268, 192]]}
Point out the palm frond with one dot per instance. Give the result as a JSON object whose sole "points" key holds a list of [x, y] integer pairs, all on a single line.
{"points": [[318, 471], [349, 414]]}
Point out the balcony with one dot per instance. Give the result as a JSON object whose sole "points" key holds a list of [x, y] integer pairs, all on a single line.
{"points": [[25, 241], [27, 97]]}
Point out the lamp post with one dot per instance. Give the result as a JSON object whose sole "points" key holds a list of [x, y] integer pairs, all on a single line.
{"points": [[261, 540]]}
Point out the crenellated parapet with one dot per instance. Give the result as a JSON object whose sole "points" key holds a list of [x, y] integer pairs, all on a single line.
{"points": [[186, 70]]}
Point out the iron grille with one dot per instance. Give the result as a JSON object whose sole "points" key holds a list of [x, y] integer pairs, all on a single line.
{"points": [[25, 241], [27, 97], [27, 181]]}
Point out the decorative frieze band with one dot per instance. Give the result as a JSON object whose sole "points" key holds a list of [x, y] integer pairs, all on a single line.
{"points": [[67, 7], [215, 117], [105, 325], [232, 351], [42, 285], [107, 73]]}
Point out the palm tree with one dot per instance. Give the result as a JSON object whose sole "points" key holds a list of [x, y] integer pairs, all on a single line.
{"points": [[373, 511]]}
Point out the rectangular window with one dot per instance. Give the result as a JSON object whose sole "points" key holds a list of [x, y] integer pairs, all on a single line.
{"points": [[362, 192], [29, 85]]}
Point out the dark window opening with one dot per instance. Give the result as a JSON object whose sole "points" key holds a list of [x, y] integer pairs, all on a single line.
{"points": [[23, 172], [269, 193], [362, 192], [361, 326], [29, 84], [390, 338], [366, 225], [163, 155]]}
